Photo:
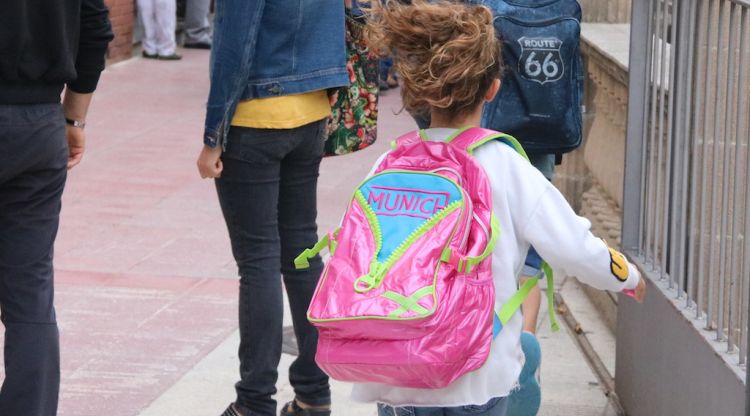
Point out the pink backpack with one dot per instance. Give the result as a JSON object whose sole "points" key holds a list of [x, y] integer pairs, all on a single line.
{"points": [[407, 298]]}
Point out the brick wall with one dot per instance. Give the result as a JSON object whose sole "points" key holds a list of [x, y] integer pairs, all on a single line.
{"points": [[121, 15]]}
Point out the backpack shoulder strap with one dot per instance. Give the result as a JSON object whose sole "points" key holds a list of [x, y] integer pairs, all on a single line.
{"points": [[468, 139], [513, 304], [409, 138]]}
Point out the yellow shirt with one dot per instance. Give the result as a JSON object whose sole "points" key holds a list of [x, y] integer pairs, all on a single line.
{"points": [[285, 112]]}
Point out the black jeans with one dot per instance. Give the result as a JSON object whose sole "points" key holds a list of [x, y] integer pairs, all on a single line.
{"points": [[33, 155], [267, 193]]}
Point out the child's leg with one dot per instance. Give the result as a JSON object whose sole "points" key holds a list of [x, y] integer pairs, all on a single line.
{"points": [[530, 308], [525, 401], [545, 163]]}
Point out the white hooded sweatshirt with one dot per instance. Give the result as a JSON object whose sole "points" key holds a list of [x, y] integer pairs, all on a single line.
{"points": [[531, 211]]}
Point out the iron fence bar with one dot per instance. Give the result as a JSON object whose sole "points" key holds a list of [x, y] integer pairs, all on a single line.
{"points": [[734, 285], [723, 242], [737, 209], [746, 262], [674, 89], [656, 87], [689, 134], [661, 137], [667, 196], [681, 115], [649, 88], [696, 215], [712, 287], [721, 145], [638, 85], [745, 299], [712, 28]]}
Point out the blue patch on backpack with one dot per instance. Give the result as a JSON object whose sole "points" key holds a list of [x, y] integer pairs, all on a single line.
{"points": [[403, 201]]}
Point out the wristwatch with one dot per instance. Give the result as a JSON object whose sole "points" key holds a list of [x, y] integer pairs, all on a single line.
{"points": [[76, 123]]}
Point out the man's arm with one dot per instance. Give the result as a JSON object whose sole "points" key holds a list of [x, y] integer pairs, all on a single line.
{"points": [[75, 108], [94, 36]]}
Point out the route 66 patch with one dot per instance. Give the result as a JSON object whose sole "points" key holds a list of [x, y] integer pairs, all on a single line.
{"points": [[540, 59]]}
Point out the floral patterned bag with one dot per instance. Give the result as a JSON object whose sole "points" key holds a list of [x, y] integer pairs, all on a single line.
{"points": [[354, 109]]}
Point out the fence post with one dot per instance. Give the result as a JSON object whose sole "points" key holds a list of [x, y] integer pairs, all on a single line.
{"points": [[638, 84]]}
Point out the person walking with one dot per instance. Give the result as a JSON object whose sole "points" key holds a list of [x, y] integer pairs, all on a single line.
{"points": [[263, 143], [45, 48], [159, 18], [197, 25], [449, 63]]}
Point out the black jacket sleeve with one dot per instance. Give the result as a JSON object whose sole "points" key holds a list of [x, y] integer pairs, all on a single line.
{"points": [[95, 35]]}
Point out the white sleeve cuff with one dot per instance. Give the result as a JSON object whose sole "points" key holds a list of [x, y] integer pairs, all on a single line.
{"points": [[634, 276]]}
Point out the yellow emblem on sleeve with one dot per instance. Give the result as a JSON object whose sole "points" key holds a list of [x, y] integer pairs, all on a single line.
{"points": [[618, 264]]}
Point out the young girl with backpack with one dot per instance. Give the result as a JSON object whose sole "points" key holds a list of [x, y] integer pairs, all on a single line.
{"points": [[417, 304]]}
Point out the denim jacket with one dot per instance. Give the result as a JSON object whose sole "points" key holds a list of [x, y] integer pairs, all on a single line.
{"points": [[266, 48]]}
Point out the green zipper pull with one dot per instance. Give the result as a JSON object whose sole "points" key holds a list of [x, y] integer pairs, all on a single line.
{"points": [[371, 280]]}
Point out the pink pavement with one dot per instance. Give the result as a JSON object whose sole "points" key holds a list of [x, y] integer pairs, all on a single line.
{"points": [[145, 279]]}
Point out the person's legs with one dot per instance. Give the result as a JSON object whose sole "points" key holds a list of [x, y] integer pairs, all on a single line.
{"points": [[248, 193], [530, 307], [197, 26], [146, 11], [298, 230], [166, 21], [545, 163], [525, 401], [31, 186]]}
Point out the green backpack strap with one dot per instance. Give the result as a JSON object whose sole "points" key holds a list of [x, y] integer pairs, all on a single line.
{"points": [[515, 301], [328, 241], [550, 296]]}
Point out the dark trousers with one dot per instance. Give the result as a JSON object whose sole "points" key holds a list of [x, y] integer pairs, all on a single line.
{"points": [[33, 155], [267, 193]]}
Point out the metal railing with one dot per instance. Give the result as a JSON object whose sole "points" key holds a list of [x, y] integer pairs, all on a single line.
{"points": [[687, 180]]}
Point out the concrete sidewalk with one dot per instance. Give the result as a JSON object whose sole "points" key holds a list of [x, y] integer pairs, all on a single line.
{"points": [[146, 283]]}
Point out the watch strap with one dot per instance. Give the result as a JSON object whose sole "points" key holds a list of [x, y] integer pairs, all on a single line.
{"points": [[75, 123]]}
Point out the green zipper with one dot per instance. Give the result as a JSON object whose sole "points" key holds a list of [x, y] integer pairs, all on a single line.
{"points": [[378, 270], [374, 278]]}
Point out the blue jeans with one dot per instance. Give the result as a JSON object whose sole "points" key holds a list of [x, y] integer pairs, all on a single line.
{"points": [[267, 193], [33, 155], [385, 66], [495, 407]]}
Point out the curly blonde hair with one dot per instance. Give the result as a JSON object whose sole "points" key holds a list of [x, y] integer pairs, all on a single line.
{"points": [[446, 53]]}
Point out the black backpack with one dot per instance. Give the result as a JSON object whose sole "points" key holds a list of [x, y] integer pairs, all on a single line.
{"points": [[540, 102]]}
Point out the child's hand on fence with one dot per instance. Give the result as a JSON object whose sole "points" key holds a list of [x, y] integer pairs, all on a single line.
{"points": [[640, 290], [639, 293]]}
